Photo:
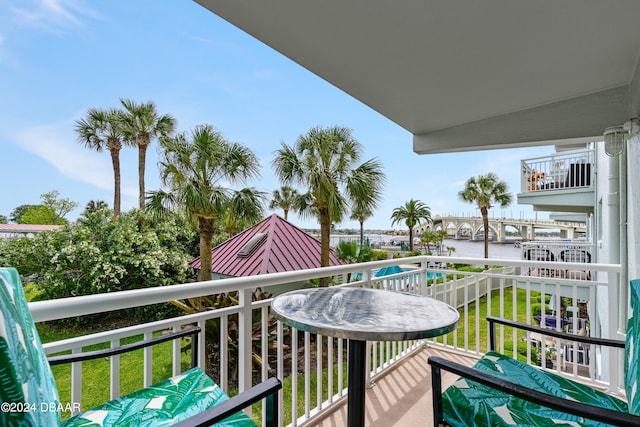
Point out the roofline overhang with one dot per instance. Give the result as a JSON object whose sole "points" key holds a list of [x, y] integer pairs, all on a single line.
{"points": [[569, 122]]}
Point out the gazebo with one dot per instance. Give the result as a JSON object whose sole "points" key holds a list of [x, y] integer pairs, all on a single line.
{"points": [[271, 246]]}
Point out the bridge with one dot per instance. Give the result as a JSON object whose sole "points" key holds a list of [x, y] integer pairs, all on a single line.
{"points": [[461, 227]]}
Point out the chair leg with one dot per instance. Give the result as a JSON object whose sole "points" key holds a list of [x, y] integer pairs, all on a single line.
{"points": [[436, 389], [272, 410]]}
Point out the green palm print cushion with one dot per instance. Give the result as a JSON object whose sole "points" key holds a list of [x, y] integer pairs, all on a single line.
{"points": [[468, 403], [26, 380], [632, 351], [162, 404]]}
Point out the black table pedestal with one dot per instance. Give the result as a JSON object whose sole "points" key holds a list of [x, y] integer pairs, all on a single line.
{"points": [[357, 372]]}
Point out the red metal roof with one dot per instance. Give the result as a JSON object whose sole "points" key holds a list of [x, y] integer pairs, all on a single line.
{"points": [[285, 248]]}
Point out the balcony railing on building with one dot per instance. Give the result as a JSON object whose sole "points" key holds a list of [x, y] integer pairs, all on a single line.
{"points": [[564, 170], [251, 346], [564, 251]]}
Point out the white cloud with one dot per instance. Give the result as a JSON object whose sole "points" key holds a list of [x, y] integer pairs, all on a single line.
{"points": [[56, 144], [53, 16]]}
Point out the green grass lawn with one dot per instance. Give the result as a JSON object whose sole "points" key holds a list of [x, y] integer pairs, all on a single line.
{"points": [[96, 373], [483, 326]]}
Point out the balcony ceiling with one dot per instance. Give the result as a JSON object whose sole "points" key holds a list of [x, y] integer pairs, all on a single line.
{"points": [[464, 74]]}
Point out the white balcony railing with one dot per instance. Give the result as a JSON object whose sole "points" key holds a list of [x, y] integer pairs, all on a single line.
{"points": [[286, 353], [565, 251], [565, 170]]}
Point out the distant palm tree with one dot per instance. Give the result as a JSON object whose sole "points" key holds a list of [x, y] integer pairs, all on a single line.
{"points": [[411, 213], [143, 124], [95, 205], [426, 239], [194, 168], [284, 198], [440, 236], [361, 214], [104, 129], [485, 191], [325, 162]]}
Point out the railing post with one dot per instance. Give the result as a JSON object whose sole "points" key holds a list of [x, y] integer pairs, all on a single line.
{"points": [[114, 367], [366, 278], [76, 384], [244, 340], [422, 277], [612, 321]]}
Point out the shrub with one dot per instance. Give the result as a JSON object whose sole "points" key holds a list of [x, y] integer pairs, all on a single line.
{"points": [[102, 254], [406, 254], [380, 254], [536, 309]]}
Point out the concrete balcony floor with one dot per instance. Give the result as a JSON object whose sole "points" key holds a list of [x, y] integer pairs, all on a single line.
{"points": [[401, 397]]}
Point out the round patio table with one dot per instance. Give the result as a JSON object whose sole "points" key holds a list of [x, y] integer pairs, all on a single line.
{"points": [[362, 315]]}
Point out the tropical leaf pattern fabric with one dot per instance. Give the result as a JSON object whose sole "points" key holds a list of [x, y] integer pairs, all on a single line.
{"points": [[632, 351], [26, 380], [468, 403], [162, 404]]}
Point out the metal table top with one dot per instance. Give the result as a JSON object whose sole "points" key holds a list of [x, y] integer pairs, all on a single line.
{"points": [[365, 314]]}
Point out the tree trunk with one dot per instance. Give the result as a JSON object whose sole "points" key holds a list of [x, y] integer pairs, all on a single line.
{"points": [[325, 237], [411, 239], [485, 224], [142, 159], [361, 234], [115, 161], [205, 226], [286, 214]]}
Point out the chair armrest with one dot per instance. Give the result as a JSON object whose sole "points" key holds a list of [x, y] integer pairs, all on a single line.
{"points": [[267, 389], [549, 332], [89, 355], [521, 392]]}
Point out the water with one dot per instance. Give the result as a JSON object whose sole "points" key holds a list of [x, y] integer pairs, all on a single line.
{"points": [[464, 248]]}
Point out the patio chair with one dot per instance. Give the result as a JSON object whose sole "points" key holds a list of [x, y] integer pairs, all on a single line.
{"points": [[540, 254], [29, 396], [580, 256], [501, 391]]}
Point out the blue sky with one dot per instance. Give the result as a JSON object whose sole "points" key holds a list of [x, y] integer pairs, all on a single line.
{"points": [[60, 57]]}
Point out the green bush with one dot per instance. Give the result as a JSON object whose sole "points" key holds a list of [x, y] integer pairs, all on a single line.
{"points": [[468, 268], [536, 309], [101, 254], [406, 254], [380, 254]]}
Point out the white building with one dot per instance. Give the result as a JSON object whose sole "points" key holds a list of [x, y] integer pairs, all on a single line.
{"points": [[16, 231]]}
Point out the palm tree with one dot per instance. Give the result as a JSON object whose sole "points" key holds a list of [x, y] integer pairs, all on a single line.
{"points": [[486, 191], [284, 199], [142, 125], [325, 162], [426, 239], [440, 236], [361, 213], [95, 205], [348, 253], [411, 213], [103, 129], [194, 171]]}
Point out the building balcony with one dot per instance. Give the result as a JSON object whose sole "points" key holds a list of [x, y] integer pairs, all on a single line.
{"points": [[252, 346], [563, 182]]}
